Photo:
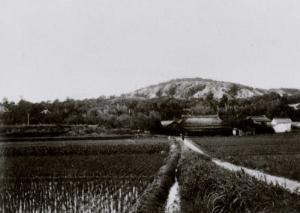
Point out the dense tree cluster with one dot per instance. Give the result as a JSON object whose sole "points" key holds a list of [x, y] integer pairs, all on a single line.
{"points": [[107, 112], [141, 113]]}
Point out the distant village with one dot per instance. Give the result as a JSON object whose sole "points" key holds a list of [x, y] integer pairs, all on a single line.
{"points": [[214, 125]]}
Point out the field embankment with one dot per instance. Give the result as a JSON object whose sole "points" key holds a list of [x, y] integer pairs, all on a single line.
{"points": [[32, 131], [154, 198]]}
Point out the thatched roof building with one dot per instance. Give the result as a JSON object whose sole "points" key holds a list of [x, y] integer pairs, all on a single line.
{"points": [[203, 124]]}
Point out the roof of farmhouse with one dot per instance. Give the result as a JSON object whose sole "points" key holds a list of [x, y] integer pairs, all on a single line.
{"points": [[282, 120], [295, 106], [201, 120], [260, 118], [167, 122]]}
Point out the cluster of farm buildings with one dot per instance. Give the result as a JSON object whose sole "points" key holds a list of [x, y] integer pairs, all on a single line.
{"points": [[214, 125]]}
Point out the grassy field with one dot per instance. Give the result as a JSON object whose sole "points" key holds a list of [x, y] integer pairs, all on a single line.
{"points": [[77, 176], [274, 154]]}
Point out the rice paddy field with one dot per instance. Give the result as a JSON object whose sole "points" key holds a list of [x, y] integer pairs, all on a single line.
{"points": [[274, 154], [78, 176], [136, 175]]}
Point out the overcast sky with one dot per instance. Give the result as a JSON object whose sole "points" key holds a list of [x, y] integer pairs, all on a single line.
{"points": [[81, 49]]}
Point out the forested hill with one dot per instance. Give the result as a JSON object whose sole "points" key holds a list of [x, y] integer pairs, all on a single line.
{"points": [[200, 88], [143, 109]]}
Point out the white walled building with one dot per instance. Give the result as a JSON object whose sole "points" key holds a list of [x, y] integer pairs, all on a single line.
{"points": [[282, 125]]}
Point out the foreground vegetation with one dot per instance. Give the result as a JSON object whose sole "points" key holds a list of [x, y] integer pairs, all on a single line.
{"points": [[274, 154], [78, 176], [204, 187], [135, 175]]}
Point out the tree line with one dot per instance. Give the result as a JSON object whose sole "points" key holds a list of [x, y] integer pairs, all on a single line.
{"points": [[144, 114]]}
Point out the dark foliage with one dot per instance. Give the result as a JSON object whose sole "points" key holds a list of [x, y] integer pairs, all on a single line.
{"points": [[144, 114]]}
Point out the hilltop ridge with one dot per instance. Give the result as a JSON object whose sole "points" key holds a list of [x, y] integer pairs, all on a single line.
{"points": [[187, 88]]}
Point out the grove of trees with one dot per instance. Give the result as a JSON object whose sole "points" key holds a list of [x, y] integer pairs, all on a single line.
{"points": [[144, 114]]}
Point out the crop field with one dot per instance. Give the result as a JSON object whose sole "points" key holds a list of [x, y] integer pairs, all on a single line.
{"points": [[77, 176], [273, 154]]}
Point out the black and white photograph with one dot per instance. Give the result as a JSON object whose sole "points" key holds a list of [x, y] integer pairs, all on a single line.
{"points": [[149, 106]]}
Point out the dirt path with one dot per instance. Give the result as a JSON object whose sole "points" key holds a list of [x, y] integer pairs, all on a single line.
{"points": [[290, 185]]}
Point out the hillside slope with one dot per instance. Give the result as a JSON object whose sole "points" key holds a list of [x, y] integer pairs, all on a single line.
{"points": [[199, 88]]}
